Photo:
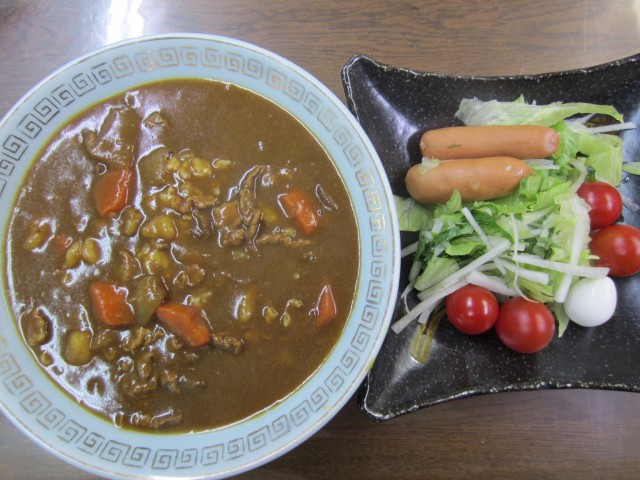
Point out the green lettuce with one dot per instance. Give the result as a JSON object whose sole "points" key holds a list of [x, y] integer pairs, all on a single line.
{"points": [[473, 111], [603, 155], [435, 271], [412, 216], [631, 167]]}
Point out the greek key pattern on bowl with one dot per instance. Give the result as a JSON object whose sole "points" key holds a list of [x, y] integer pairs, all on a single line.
{"points": [[16, 146]]}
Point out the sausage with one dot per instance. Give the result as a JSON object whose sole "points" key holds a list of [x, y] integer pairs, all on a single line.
{"points": [[474, 178], [519, 141]]}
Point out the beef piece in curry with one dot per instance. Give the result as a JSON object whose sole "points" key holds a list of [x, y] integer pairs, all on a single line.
{"points": [[182, 256]]}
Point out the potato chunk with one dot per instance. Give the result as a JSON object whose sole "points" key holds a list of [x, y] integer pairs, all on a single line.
{"points": [[77, 347]]}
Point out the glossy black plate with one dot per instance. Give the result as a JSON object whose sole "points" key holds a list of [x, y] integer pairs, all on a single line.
{"points": [[395, 106]]}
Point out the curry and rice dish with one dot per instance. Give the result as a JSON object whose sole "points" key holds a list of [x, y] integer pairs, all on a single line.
{"points": [[182, 256]]}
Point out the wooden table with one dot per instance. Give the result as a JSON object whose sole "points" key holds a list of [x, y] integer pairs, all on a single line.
{"points": [[542, 434]]}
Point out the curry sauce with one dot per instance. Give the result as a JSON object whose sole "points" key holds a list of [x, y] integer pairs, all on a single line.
{"points": [[182, 256]]}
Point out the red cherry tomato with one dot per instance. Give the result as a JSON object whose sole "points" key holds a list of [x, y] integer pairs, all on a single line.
{"points": [[618, 247], [525, 326], [472, 309], [605, 202]]}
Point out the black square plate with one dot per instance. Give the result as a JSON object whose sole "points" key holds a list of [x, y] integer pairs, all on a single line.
{"points": [[395, 106]]}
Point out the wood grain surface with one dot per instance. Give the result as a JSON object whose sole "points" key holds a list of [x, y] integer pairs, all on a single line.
{"points": [[542, 434]]}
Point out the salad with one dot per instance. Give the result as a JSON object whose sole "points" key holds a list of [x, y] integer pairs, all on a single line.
{"points": [[523, 241]]}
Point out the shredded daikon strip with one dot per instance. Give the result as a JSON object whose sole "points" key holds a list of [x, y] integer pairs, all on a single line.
{"points": [[545, 167], [533, 275], [580, 120], [613, 128], [406, 291], [580, 180], [424, 316], [405, 295], [580, 271], [514, 234], [414, 271], [516, 249], [426, 306], [438, 223], [519, 246], [498, 249], [539, 161], [542, 164], [563, 288], [580, 232], [409, 249], [495, 284], [487, 267], [440, 248], [472, 221]]}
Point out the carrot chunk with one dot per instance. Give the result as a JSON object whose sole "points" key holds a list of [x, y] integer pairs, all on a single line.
{"points": [[186, 322], [110, 304], [326, 308], [111, 191], [299, 205]]}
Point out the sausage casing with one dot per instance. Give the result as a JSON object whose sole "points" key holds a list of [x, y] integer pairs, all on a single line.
{"points": [[475, 179], [519, 141]]}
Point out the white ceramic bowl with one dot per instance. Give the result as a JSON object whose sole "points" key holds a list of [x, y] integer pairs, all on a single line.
{"points": [[39, 408]]}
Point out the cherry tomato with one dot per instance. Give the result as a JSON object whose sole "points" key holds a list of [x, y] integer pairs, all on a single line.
{"points": [[472, 309], [618, 247], [525, 326], [605, 202]]}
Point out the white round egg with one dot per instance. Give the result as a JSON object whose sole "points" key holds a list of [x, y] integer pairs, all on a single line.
{"points": [[591, 301]]}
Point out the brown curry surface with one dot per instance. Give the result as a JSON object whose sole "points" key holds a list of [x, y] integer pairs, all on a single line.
{"points": [[203, 225]]}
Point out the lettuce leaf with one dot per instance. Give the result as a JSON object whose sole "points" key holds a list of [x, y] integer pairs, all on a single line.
{"points": [[473, 111], [631, 167], [436, 270], [412, 216], [604, 156], [561, 316]]}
